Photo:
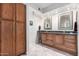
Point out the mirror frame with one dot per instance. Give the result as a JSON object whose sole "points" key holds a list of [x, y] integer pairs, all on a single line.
{"points": [[70, 16], [49, 21]]}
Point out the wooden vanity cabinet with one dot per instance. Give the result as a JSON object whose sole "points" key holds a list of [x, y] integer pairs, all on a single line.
{"points": [[47, 38], [43, 38], [12, 32], [64, 42], [59, 40], [70, 42], [50, 39]]}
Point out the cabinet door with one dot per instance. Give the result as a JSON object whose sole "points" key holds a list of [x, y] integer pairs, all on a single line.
{"points": [[70, 45], [20, 12], [6, 38], [70, 41], [7, 11], [20, 38], [50, 37], [59, 40], [43, 36]]}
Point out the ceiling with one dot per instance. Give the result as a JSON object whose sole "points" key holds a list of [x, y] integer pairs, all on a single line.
{"points": [[45, 7]]}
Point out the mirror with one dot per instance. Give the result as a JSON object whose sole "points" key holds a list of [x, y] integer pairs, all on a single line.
{"points": [[65, 21], [48, 23]]}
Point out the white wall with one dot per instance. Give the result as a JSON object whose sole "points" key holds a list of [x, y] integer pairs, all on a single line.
{"points": [[32, 30]]}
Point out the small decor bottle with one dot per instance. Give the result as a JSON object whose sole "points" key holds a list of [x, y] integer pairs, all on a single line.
{"points": [[39, 28], [75, 27]]}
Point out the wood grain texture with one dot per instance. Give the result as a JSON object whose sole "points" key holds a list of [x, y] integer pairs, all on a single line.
{"points": [[20, 38], [0, 38], [7, 11], [59, 40], [6, 37], [12, 29], [20, 12], [43, 36], [14, 39]]}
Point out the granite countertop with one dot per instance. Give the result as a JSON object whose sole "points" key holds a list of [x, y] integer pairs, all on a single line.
{"points": [[59, 32]]}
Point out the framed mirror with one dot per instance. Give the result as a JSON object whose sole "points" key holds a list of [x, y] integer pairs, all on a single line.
{"points": [[65, 21], [48, 23]]}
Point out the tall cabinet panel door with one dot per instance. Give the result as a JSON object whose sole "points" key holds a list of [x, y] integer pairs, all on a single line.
{"points": [[20, 12], [6, 38], [7, 11], [20, 38]]}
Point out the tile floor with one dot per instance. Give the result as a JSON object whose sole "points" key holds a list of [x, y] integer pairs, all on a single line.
{"points": [[42, 50]]}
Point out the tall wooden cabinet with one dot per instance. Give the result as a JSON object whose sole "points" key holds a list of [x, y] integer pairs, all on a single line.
{"points": [[12, 29], [20, 28]]}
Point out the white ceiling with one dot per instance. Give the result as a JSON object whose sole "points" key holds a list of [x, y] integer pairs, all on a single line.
{"points": [[41, 5], [45, 7]]}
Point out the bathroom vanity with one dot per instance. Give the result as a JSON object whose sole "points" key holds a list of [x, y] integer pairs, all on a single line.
{"points": [[64, 41]]}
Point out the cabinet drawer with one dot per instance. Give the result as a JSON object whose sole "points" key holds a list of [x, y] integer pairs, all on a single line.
{"points": [[70, 40], [69, 37], [49, 37], [43, 36], [48, 42], [70, 45]]}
